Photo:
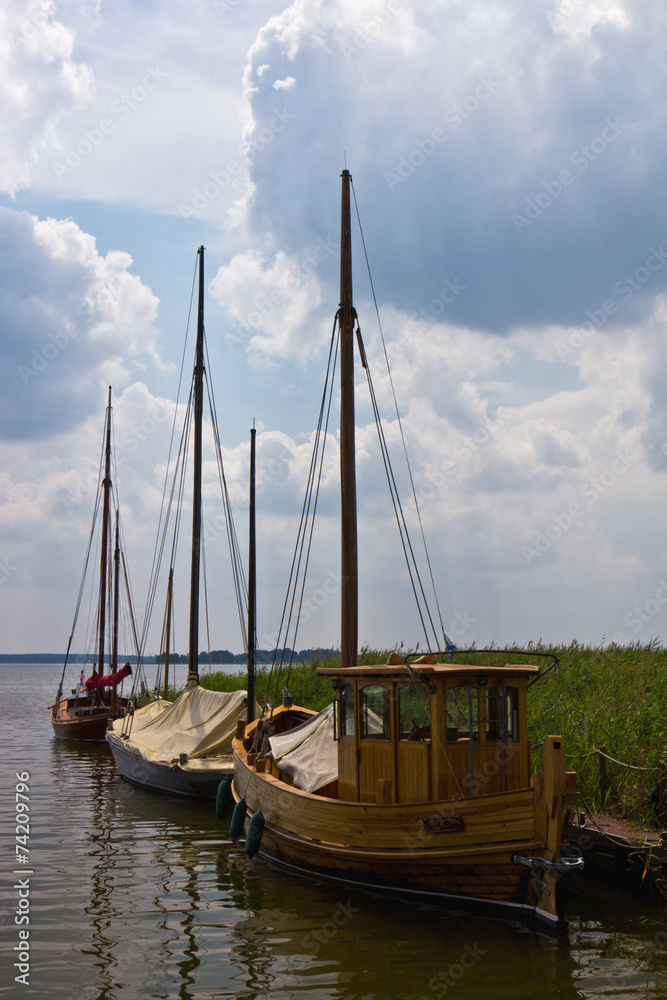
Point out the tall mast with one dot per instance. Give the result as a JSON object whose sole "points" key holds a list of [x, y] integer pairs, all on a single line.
{"points": [[116, 599], [106, 503], [348, 489], [252, 588], [170, 597], [193, 645]]}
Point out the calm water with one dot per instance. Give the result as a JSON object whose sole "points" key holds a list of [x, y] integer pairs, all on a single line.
{"points": [[134, 895]]}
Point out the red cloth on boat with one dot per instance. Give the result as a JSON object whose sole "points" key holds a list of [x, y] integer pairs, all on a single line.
{"points": [[95, 682]]}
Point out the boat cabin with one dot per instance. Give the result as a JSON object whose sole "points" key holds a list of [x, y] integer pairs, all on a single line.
{"points": [[428, 731]]}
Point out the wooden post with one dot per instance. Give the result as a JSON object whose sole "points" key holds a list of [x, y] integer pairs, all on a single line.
{"points": [[553, 760]]}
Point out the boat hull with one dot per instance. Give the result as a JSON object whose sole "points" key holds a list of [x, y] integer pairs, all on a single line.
{"points": [[164, 776], [463, 851], [87, 724]]}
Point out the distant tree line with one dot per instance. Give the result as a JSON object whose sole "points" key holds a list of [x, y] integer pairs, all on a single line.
{"points": [[215, 656], [60, 658], [261, 656]]}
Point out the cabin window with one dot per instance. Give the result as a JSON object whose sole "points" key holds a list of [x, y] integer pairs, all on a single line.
{"points": [[502, 713], [347, 710], [414, 712], [375, 712], [462, 708]]}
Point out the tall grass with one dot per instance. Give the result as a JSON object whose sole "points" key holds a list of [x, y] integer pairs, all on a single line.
{"points": [[612, 697], [598, 696]]}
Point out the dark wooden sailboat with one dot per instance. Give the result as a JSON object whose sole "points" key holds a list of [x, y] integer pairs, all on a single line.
{"points": [[183, 748], [418, 777], [85, 713]]}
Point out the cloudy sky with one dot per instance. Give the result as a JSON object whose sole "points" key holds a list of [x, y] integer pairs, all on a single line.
{"points": [[508, 159]]}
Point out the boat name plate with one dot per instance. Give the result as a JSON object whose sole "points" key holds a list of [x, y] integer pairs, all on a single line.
{"points": [[443, 824]]}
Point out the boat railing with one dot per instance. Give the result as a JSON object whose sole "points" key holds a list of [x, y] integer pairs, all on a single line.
{"points": [[411, 659], [128, 719]]}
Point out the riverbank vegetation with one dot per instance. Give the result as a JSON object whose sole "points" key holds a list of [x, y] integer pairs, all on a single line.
{"points": [[597, 697]]}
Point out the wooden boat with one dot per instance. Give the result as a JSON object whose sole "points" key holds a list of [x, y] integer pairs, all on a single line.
{"points": [[183, 748], [418, 777], [85, 713]]}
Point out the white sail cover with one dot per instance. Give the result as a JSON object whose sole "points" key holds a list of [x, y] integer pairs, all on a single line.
{"points": [[309, 753], [200, 723]]}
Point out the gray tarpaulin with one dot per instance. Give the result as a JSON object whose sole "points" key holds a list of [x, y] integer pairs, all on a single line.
{"points": [[309, 753]]}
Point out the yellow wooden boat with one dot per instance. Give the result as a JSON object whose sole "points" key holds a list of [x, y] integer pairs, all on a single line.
{"points": [[433, 792], [418, 777]]}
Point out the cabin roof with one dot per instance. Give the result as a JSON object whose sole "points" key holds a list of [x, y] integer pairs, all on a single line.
{"points": [[449, 669]]}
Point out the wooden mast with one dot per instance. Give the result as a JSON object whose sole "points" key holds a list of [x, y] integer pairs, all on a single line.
{"points": [[106, 503], [252, 588], [348, 489], [116, 598], [193, 645], [170, 597]]}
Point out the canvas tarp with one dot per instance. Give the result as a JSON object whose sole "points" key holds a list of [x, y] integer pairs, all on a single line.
{"points": [[309, 753], [200, 723]]}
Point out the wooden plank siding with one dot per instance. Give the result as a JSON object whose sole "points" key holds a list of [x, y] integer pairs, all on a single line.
{"points": [[347, 769], [376, 762], [505, 817], [414, 771]]}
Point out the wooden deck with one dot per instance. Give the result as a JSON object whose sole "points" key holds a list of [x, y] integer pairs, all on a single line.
{"points": [[613, 847]]}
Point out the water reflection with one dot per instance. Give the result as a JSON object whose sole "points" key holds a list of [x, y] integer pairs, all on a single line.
{"points": [[300, 934]]}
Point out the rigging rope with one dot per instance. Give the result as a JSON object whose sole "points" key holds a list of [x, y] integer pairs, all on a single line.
{"points": [[160, 538], [240, 584], [172, 504], [306, 524], [448, 643], [411, 562]]}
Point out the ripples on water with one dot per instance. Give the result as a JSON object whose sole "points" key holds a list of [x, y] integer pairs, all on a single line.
{"points": [[136, 895]]}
